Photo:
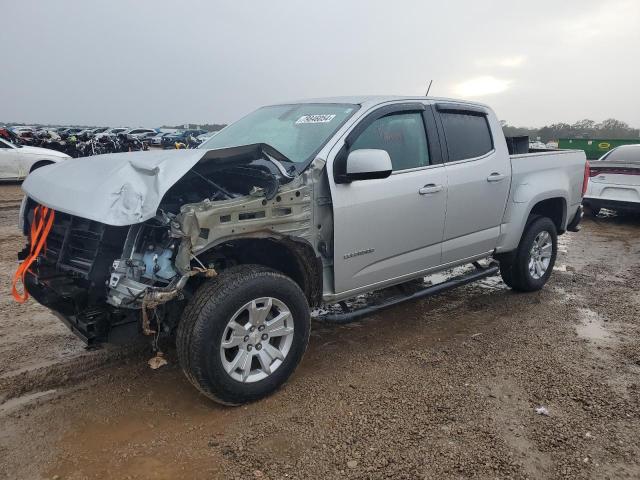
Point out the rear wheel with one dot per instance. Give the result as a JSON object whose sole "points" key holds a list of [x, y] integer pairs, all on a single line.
{"points": [[243, 334], [531, 265]]}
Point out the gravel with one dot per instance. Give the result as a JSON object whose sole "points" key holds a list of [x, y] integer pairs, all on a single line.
{"points": [[447, 387]]}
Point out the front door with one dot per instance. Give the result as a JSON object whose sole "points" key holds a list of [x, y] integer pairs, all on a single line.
{"points": [[387, 229]]}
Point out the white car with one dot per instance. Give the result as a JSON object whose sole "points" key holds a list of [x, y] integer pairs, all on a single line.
{"points": [[139, 132], [17, 161], [24, 132], [111, 132], [537, 146], [614, 181], [206, 136], [157, 138]]}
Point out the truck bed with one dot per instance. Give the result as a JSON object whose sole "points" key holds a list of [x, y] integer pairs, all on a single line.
{"points": [[535, 177]]}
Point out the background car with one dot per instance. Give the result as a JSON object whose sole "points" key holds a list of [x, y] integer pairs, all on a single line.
{"points": [[23, 132], [147, 136], [169, 141], [68, 132], [139, 132], [157, 138], [205, 136], [85, 134], [111, 132], [9, 135], [17, 161], [614, 181]]}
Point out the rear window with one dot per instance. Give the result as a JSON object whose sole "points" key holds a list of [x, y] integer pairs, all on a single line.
{"points": [[623, 154], [468, 135]]}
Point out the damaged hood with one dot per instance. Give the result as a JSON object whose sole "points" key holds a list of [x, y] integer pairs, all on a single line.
{"points": [[116, 189]]}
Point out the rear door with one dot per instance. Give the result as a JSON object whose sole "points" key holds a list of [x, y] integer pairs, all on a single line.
{"points": [[478, 178], [387, 229]]}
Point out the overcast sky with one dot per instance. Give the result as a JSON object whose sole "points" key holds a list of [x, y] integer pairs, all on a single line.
{"points": [[155, 62]]}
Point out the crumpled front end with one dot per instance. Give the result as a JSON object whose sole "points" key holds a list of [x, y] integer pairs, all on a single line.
{"points": [[70, 276], [98, 278], [110, 282]]}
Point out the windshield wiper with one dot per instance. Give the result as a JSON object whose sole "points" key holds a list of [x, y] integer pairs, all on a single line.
{"points": [[228, 194], [281, 168]]}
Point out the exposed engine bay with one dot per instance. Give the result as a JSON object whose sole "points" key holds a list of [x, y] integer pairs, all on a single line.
{"points": [[98, 277]]}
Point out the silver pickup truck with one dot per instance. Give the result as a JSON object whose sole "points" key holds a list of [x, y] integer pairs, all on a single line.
{"points": [[229, 247]]}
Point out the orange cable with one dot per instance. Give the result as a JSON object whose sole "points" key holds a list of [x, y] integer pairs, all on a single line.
{"points": [[40, 228]]}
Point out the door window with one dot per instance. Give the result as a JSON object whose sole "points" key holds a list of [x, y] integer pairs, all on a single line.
{"points": [[402, 135], [468, 135]]}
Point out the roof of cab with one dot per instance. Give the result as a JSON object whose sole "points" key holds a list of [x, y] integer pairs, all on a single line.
{"points": [[375, 99], [371, 100]]}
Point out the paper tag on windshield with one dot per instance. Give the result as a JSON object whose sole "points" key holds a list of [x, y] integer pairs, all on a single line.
{"points": [[315, 119]]}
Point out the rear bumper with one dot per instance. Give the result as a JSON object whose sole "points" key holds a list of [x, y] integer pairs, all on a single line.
{"points": [[611, 204]]}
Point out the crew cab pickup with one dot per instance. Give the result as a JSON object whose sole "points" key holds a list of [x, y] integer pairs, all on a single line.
{"points": [[230, 246]]}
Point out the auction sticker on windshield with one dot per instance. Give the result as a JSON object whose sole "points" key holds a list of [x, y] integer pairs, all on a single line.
{"points": [[315, 119]]}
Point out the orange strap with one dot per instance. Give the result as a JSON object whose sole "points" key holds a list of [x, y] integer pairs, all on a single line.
{"points": [[40, 227]]}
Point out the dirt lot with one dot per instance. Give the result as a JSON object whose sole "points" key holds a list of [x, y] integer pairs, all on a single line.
{"points": [[444, 388]]}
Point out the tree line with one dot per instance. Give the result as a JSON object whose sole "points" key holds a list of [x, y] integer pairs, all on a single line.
{"points": [[610, 129]]}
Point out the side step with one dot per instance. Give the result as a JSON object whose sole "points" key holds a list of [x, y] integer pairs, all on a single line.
{"points": [[353, 315]]}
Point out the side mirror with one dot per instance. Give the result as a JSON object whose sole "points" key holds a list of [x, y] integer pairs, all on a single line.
{"points": [[367, 164]]}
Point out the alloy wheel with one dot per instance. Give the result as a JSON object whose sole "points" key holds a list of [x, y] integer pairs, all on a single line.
{"points": [[257, 339]]}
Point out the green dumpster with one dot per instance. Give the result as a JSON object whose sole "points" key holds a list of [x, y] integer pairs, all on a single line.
{"points": [[594, 148]]}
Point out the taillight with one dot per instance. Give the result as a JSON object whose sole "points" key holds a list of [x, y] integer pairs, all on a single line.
{"points": [[585, 180], [595, 171]]}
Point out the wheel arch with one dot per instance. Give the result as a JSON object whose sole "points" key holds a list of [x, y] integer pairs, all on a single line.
{"points": [[40, 163], [549, 204], [292, 256], [554, 208]]}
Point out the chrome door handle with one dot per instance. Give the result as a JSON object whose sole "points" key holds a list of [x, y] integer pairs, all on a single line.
{"points": [[495, 177], [430, 188]]}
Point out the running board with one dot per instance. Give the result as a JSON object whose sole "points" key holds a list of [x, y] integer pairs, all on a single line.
{"points": [[353, 315]]}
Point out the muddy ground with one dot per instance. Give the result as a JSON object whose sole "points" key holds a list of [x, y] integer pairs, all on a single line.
{"points": [[444, 388]]}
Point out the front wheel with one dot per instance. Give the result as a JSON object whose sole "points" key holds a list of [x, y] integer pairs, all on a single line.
{"points": [[243, 334], [531, 266]]}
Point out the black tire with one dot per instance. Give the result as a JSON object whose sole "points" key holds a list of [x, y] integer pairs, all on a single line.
{"points": [[506, 269], [205, 319], [514, 268]]}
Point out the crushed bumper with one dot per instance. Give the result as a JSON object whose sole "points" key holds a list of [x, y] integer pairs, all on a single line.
{"points": [[94, 325]]}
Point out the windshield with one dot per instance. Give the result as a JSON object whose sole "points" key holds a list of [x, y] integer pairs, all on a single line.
{"points": [[297, 131], [5, 143]]}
